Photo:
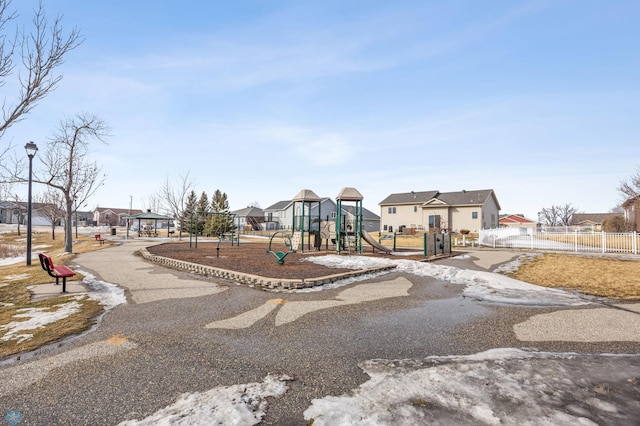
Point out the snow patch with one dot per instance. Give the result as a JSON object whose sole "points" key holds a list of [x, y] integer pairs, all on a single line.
{"points": [[480, 285], [499, 386], [242, 404], [37, 318]]}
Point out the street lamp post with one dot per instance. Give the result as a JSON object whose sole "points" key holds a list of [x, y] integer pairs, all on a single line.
{"points": [[75, 202], [31, 149]]}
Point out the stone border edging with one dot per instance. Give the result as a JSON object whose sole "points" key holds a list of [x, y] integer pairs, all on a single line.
{"points": [[256, 280]]}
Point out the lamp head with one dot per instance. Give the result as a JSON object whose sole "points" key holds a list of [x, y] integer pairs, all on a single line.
{"points": [[31, 149]]}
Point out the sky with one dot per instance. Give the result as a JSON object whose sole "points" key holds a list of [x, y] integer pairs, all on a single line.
{"points": [[498, 386], [537, 100]]}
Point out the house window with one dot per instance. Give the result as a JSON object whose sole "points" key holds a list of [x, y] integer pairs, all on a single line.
{"points": [[474, 215], [434, 221], [392, 210], [384, 228], [415, 209], [333, 215]]}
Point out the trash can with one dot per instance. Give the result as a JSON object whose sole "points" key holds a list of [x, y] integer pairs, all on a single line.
{"points": [[113, 231]]}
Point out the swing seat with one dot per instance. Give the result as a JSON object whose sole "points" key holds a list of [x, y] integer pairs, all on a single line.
{"points": [[280, 255]]}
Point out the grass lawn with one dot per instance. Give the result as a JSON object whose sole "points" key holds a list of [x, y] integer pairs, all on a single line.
{"points": [[15, 298], [597, 276]]}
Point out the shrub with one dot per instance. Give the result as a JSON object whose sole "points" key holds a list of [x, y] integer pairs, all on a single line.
{"points": [[615, 224]]}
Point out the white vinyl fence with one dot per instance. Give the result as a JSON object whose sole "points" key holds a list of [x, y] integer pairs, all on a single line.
{"points": [[595, 242]]}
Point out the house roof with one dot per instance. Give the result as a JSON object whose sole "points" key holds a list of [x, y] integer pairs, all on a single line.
{"points": [[594, 218], [630, 201], [118, 211], [249, 211], [412, 197], [280, 205], [514, 218], [460, 198]]}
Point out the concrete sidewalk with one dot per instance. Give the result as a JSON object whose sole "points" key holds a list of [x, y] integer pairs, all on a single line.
{"points": [[144, 282]]}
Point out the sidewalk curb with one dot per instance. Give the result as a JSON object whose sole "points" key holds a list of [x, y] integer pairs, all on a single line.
{"points": [[264, 283]]}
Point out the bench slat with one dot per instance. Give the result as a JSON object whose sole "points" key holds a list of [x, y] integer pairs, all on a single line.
{"points": [[63, 271]]}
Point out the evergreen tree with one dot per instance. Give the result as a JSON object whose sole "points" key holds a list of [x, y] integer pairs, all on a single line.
{"points": [[221, 221], [189, 212], [202, 209]]}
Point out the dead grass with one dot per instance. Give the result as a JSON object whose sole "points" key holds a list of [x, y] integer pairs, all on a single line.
{"points": [[603, 277], [14, 295]]}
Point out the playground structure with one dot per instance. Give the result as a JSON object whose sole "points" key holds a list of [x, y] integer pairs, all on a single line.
{"points": [[345, 232], [293, 245]]}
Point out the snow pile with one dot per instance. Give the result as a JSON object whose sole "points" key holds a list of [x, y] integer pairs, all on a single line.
{"points": [[38, 318], [109, 295], [499, 386], [242, 404], [480, 285]]}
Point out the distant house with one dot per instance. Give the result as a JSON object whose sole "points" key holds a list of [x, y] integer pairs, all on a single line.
{"points": [[107, 216], [516, 221], [591, 221], [16, 212], [250, 218], [438, 211], [631, 209]]}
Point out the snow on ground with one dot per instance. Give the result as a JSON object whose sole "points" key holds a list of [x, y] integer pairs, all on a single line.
{"points": [[479, 285], [37, 318], [5, 261], [109, 295], [242, 404], [499, 386]]}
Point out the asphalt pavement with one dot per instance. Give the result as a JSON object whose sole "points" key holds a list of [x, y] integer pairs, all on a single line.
{"points": [[181, 333]]}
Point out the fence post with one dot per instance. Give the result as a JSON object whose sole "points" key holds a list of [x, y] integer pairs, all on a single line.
{"points": [[424, 242], [604, 242], [634, 244], [575, 240]]}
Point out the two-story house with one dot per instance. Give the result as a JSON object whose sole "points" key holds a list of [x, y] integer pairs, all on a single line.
{"points": [[437, 211]]}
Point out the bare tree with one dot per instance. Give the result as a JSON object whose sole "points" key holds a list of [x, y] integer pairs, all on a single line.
{"points": [[630, 187], [550, 216], [173, 198], [19, 211], [558, 215], [67, 166], [566, 213], [41, 50], [52, 208]]}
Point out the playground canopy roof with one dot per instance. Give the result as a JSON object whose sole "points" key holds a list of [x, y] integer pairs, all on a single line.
{"points": [[149, 216], [306, 195], [349, 194]]}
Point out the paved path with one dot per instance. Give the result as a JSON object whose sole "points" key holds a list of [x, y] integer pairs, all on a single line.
{"points": [[183, 334]]}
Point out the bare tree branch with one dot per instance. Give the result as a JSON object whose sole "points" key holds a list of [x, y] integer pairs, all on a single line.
{"points": [[42, 51], [630, 187]]}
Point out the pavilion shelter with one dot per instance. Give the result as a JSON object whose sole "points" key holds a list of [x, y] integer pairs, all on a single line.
{"points": [[149, 217]]}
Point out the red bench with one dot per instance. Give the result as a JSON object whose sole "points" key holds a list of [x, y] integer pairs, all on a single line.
{"points": [[100, 239], [56, 272]]}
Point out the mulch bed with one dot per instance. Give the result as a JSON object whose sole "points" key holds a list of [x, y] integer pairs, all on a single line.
{"points": [[251, 258]]}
